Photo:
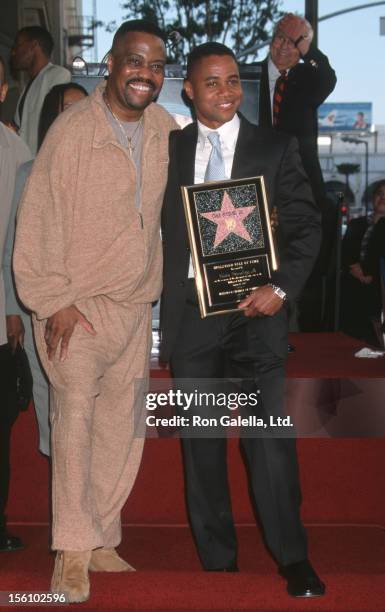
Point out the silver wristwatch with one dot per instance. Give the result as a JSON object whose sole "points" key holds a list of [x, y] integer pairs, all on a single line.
{"points": [[278, 291]]}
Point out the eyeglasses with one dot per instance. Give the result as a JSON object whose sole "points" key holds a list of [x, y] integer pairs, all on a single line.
{"points": [[281, 39]]}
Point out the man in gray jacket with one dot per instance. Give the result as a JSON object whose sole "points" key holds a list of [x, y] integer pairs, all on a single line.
{"points": [[13, 153]]}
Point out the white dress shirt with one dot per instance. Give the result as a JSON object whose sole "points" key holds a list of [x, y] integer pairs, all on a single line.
{"points": [[228, 135]]}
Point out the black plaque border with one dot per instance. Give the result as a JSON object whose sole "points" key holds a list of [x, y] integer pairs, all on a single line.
{"points": [[198, 259]]}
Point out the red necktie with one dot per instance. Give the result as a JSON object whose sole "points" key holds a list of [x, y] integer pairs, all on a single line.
{"points": [[280, 85]]}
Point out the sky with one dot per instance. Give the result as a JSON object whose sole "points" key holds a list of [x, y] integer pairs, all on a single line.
{"points": [[352, 43]]}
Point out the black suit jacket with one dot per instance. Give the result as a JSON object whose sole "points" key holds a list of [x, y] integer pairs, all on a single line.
{"points": [[258, 152], [309, 83], [352, 241], [361, 302]]}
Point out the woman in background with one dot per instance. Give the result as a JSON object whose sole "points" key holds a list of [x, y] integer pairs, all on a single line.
{"points": [[363, 247], [19, 325]]}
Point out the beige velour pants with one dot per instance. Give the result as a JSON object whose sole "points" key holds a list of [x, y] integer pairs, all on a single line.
{"points": [[97, 421]]}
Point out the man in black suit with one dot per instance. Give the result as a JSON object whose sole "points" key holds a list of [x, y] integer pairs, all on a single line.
{"points": [[304, 75], [251, 343], [306, 86]]}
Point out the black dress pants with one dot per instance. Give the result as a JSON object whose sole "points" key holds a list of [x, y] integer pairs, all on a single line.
{"points": [[361, 305], [216, 347], [9, 411]]}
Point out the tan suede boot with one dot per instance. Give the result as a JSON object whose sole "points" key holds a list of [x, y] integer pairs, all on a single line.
{"points": [[108, 560], [70, 575]]}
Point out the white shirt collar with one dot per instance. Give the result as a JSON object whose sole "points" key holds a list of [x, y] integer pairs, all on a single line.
{"points": [[272, 68], [273, 71], [228, 133]]}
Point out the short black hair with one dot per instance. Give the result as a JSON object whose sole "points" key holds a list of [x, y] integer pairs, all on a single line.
{"points": [[2, 68], [137, 25], [41, 35], [205, 50], [53, 106]]}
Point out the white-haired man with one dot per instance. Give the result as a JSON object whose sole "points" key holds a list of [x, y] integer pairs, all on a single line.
{"points": [[296, 79]]}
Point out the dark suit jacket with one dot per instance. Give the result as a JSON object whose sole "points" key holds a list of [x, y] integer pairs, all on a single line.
{"points": [[351, 245], [257, 152], [309, 84], [360, 302]]}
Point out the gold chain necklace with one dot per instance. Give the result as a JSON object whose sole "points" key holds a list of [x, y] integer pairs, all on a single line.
{"points": [[129, 139]]}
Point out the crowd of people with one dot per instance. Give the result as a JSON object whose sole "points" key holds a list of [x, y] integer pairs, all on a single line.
{"points": [[82, 266]]}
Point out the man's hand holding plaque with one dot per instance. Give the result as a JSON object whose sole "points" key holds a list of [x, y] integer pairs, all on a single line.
{"points": [[261, 302]]}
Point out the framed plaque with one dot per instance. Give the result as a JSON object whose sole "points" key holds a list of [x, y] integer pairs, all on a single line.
{"points": [[231, 241]]}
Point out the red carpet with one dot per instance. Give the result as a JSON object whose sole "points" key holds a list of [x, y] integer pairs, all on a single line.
{"points": [[344, 498], [330, 355], [350, 560], [342, 481]]}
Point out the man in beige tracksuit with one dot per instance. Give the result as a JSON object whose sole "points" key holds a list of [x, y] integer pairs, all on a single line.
{"points": [[88, 264]]}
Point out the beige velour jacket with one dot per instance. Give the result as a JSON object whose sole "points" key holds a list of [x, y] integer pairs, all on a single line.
{"points": [[79, 233]]}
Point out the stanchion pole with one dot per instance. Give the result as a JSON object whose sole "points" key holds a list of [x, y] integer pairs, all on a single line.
{"points": [[341, 200]]}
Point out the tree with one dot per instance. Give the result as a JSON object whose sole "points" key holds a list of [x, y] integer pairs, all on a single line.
{"points": [[238, 24]]}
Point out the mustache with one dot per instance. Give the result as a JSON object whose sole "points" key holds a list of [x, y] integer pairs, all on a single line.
{"points": [[141, 80]]}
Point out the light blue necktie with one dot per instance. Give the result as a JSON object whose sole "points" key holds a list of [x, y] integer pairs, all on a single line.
{"points": [[215, 170]]}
